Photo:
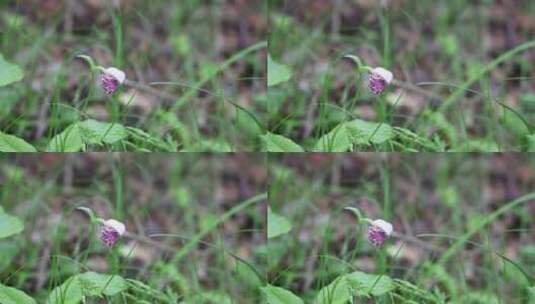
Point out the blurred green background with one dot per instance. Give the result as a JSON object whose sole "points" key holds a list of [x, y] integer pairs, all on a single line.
{"points": [[194, 221], [209, 54], [433, 201], [438, 52]]}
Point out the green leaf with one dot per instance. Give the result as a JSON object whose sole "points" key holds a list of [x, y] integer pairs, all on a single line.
{"points": [[515, 123], [337, 140], [70, 292], [247, 275], [146, 139], [278, 143], [411, 138], [10, 143], [90, 131], [338, 292], [365, 284], [10, 295], [9, 72], [9, 225], [246, 123], [88, 284], [70, 140], [355, 132], [364, 132], [277, 224], [277, 295], [356, 284], [95, 132], [277, 73], [96, 284]]}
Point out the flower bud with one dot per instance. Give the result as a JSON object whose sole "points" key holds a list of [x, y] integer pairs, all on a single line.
{"points": [[111, 79], [378, 232], [111, 231], [379, 79]]}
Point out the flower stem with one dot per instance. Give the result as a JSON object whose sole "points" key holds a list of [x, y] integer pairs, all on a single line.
{"points": [[360, 67], [358, 214], [89, 61]]}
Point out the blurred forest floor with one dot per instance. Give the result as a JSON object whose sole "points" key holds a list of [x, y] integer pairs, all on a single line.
{"points": [[433, 48], [165, 201], [432, 200], [195, 47]]}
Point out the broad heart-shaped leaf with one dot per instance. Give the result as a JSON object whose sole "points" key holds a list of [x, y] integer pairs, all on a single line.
{"points": [[10, 295], [90, 131], [95, 132], [278, 143], [337, 140], [9, 225], [96, 284], [88, 284], [277, 295], [246, 122], [70, 292], [9, 72], [247, 275], [355, 132], [338, 292], [10, 143], [70, 140], [356, 284], [277, 224], [277, 73], [365, 284]]}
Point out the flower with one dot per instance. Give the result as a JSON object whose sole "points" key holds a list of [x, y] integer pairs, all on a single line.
{"points": [[378, 232], [379, 79], [111, 231], [111, 79]]}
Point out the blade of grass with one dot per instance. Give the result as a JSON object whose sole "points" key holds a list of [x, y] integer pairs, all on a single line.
{"points": [[453, 98], [197, 238], [237, 106], [487, 220], [190, 93]]}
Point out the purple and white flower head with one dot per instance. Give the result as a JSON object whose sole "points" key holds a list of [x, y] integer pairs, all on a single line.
{"points": [[111, 231], [379, 79], [111, 79], [379, 231]]}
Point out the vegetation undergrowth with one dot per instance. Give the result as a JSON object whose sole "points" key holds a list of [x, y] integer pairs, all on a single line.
{"points": [[462, 76], [183, 85]]}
